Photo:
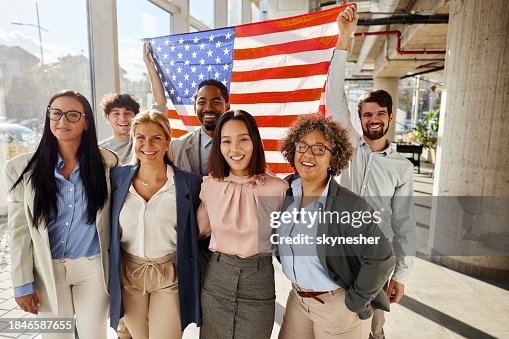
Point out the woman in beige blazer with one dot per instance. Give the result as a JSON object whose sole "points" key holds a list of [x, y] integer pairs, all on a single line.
{"points": [[59, 220]]}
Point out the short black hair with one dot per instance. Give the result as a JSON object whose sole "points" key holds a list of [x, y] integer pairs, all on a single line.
{"points": [[218, 167], [211, 82]]}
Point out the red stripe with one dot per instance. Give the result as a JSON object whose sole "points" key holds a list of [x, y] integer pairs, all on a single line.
{"points": [[280, 168], [288, 24], [172, 114], [276, 97], [175, 133], [287, 72], [190, 120], [275, 121], [314, 44], [271, 145]]}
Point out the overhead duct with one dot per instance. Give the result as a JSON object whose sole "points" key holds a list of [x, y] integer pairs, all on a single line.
{"points": [[384, 6]]}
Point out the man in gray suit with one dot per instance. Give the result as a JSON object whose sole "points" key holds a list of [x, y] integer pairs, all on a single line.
{"points": [[191, 151]]}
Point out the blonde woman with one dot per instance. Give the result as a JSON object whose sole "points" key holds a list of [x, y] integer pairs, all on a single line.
{"points": [[154, 260]]}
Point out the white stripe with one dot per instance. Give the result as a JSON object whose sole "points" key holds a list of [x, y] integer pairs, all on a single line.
{"points": [[330, 29], [272, 133], [278, 85], [282, 60], [186, 110], [289, 108], [275, 157]]}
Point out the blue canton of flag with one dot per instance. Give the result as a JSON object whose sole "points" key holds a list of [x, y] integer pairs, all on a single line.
{"points": [[185, 60]]}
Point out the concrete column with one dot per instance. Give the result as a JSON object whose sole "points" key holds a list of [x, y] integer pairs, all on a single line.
{"points": [[391, 85], [470, 234]]}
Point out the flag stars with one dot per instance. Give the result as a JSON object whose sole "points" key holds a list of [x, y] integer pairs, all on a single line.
{"points": [[202, 61], [166, 83], [202, 46], [228, 35], [153, 42], [165, 56], [172, 91], [167, 70], [193, 69], [180, 56], [226, 51], [194, 55], [209, 53], [172, 62], [173, 77], [159, 48], [186, 47], [186, 76], [179, 69], [216, 75], [218, 60], [193, 84], [187, 62], [186, 92], [224, 82], [195, 40], [180, 84], [201, 76], [179, 99], [172, 48], [181, 41], [225, 67], [209, 68], [211, 38], [218, 44], [166, 42]]}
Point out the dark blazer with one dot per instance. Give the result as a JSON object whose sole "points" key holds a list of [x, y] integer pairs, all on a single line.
{"points": [[187, 187], [361, 269]]}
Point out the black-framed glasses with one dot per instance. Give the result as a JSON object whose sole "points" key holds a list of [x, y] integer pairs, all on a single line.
{"points": [[56, 114], [317, 149]]}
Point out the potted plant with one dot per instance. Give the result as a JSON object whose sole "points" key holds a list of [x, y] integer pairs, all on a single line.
{"points": [[426, 132]]}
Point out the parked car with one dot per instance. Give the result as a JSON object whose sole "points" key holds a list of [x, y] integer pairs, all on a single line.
{"points": [[17, 138]]}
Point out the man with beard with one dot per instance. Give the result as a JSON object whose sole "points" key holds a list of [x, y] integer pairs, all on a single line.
{"points": [[376, 172], [191, 151]]}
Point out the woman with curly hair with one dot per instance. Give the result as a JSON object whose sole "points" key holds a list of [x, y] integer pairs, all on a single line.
{"points": [[238, 292], [340, 264]]}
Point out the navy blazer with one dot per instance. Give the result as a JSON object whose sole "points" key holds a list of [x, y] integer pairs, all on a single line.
{"points": [[187, 187]]}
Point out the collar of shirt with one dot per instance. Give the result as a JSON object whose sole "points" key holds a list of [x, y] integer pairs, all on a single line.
{"points": [[167, 185], [388, 150], [297, 192], [205, 139], [60, 165]]}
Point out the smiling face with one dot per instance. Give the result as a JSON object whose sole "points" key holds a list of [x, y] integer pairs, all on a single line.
{"points": [[311, 167], [150, 143], [209, 106], [63, 129], [120, 121], [374, 120], [236, 147]]}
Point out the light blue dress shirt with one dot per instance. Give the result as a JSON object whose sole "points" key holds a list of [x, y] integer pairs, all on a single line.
{"points": [[205, 147], [300, 262], [70, 235]]}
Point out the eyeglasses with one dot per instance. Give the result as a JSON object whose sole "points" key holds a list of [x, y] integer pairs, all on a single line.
{"points": [[56, 114], [317, 149]]}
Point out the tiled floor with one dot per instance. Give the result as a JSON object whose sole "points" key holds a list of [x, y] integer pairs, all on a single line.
{"points": [[438, 302]]}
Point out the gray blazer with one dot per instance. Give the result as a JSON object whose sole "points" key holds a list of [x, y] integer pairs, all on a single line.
{"points": [[361, 269], [186, 151]]}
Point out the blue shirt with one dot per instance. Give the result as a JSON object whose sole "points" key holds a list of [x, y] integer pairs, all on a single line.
{"points": [[70, 236], [300, 261]]}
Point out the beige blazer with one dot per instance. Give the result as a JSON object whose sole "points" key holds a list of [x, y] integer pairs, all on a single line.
{"points": [[29, 246]]}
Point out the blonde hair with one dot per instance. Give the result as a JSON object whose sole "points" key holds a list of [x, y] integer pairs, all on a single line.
{"points": [[146, 117]]}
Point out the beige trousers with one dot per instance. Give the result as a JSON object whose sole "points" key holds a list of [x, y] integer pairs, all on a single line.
{"points": [[307, 318], [377, 325], [81, 291], [150, 297]]}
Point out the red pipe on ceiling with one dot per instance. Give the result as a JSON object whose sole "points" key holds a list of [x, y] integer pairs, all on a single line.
{"points": [[398, 46]]}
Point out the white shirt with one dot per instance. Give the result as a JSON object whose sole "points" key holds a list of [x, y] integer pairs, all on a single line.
{"points": [[149, 228]]}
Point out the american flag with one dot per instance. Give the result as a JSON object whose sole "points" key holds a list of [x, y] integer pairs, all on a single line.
{"points": [[275, 70]]}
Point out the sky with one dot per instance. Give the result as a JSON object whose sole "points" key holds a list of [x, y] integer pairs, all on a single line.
{"points": [[66, 22]]}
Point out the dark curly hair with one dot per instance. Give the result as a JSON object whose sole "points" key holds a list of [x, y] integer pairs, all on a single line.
{"points": [[113, 100], [341, 147]]}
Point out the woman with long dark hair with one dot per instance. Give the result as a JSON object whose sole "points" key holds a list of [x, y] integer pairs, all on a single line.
{"points": [[59, 220], [238, 294]]}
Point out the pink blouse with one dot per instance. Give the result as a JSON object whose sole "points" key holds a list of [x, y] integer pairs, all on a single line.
{"points": [[235, 212]]}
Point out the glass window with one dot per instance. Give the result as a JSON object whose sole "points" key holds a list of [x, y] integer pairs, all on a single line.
{"points": [[30, 75], [137, 20], [203, 11], [234, 12]]}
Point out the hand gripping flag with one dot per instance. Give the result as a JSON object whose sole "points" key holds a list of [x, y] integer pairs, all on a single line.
{"points": [[275, 70]]}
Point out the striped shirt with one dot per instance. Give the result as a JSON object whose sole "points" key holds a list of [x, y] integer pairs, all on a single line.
{"points": [[70, 236]]}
